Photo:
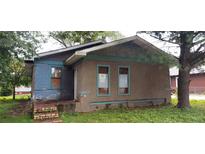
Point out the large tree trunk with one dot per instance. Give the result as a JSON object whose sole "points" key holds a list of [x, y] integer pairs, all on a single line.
{"points": [[183, 88], [14, 92], [184, 71]]}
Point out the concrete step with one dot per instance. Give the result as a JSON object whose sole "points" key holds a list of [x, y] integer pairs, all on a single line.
{"points": [[46, 115], [38, 109], [55, 120]]}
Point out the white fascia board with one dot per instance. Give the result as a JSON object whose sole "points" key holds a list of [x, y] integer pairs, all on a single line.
{"points": [[74, 58]]}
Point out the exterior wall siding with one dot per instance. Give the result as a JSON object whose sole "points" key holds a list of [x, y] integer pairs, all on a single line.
{"points": [[42, 88], [146, 81], [197, 84]]}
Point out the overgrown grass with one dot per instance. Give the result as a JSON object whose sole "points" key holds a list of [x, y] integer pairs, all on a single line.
{"points": [[6, 107], [164, 114], [9, 99]]}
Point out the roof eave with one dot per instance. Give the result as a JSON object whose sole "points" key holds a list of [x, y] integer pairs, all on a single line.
{"points": [[74, 58], [52, 52]]}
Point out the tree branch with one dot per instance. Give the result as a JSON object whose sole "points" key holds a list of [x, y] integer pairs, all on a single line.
{"points": [[199, 48], [198, 42], [162, 39], [196, 33], [60, 41], [195, 60]]}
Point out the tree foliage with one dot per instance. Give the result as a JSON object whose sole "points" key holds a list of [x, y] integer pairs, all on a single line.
{"points": [[191, 44], [14, 47], [70, 38], [18, 44], [17, 74], [192, 55]]}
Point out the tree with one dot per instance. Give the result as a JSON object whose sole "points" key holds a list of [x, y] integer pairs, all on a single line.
{"points": [[17, 75], [192, 55], [70, 38], [19, 44], [16, 45]]}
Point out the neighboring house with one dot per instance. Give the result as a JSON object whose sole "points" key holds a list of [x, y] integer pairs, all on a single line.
{"points": [[197, 84], [23, 90], [98, 73]]}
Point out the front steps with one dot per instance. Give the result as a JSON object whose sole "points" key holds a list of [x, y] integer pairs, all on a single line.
{"points": [[45, 113], [55, 120]]}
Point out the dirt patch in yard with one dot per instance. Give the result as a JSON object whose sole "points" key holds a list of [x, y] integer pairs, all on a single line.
{"points": [[21, 108]]}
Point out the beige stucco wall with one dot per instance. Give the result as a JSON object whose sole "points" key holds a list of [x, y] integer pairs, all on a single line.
{"points": [[146, 81]]}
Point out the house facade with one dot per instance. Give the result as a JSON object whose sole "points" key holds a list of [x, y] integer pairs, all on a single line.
{"points": [[197, 84], [128, 71]]}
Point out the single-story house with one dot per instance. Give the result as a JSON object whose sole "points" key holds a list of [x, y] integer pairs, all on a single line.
{"points": [[197, 84], [93, 75]]}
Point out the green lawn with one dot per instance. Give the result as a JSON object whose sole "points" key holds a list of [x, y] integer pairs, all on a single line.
{"points": [[9, 110], [162, 114], [8, 99], [157, 114]]}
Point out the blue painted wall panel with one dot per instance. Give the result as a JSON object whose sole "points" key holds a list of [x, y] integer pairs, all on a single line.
{"points": [[42, 81], [47, 94], [42, 77]]}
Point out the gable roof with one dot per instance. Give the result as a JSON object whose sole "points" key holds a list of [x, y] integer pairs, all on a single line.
{"points": [[76, 47], [138, 40]]}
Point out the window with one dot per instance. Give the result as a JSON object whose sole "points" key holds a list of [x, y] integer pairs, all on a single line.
{"points": [[56, 73], [103, 80], [123, 80]]}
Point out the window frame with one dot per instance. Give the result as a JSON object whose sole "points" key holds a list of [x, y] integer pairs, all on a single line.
{"points": [[97, 80], [51, 77], [118, 87]]}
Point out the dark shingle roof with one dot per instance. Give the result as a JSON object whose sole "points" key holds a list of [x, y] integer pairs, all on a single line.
{"points": [[72, 48]]}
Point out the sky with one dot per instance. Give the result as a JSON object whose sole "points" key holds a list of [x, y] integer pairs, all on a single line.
{"points": [[170, 48], [52, 44]]}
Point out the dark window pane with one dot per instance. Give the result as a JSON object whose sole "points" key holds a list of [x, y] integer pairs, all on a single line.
{"points": [[123, 71], [103, 70]]}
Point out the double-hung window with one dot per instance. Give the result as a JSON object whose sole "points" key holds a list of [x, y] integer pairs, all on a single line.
{"points": [[123, 80], [103, 78], [56, 73]]}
